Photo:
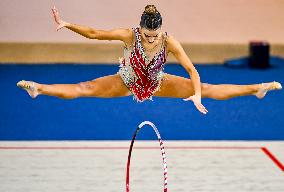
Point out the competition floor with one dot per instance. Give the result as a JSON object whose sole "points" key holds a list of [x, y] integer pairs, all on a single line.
{"points": [[101, 166]]}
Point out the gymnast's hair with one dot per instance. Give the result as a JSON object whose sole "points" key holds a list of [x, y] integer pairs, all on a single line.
{"points": [[151, 18]]}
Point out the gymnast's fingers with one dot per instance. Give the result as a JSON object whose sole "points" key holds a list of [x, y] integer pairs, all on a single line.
{"points": [[201, 108], [204, 108]]}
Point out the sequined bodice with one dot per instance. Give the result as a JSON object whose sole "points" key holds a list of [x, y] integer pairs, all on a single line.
{"points": [[138, 51], [141, 75]]}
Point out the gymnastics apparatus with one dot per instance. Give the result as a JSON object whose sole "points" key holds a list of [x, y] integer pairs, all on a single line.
{"points": [[162, 150]]}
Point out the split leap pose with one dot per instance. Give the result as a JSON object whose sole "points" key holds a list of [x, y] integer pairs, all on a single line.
{"points": [[141, 69]]}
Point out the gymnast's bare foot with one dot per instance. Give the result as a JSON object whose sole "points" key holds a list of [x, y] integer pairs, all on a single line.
{"points": [[265, 87], [30, 86]]}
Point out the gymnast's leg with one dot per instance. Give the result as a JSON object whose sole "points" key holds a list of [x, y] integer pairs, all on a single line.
{"points": [[107, 86], [180, 87]]}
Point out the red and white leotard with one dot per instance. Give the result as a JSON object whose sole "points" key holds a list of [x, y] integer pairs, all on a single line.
{"points": [[142, 76]]}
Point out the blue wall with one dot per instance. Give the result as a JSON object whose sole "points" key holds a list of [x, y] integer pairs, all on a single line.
{"points": [[49, 118]]}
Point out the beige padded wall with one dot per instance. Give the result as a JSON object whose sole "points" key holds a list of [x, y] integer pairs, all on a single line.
{"points": [[210, 30], [190, 21]]}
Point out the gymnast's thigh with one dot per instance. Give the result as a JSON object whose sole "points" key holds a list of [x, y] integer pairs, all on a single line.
{"points": [[107, 86], [175, 86]]}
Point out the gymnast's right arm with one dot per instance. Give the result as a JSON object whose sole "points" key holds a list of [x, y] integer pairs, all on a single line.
{"points": [[124, 35]]}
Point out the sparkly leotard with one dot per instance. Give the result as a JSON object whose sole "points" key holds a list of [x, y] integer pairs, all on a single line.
{"points": [[142, 76]]}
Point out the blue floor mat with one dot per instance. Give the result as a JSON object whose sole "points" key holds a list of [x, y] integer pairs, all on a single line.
{"points": [[49, 118]]}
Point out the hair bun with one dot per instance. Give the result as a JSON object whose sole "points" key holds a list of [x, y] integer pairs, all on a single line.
{"points": [[150, 9]]}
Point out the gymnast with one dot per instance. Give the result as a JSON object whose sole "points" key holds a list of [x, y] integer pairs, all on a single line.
{"points": [[140, 73]]}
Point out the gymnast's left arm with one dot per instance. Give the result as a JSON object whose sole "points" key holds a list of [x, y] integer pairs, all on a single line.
{"points": [[175, 47]]}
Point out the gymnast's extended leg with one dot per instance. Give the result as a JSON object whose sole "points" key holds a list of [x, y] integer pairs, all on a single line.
{"points": [[107, 86], [180, 87]]}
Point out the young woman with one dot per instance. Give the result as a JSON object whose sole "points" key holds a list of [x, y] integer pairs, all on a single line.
{"points": [[141, 68]]}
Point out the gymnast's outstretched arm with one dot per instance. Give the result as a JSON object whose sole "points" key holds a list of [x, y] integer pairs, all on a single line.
{"points": [[124, 35], [175, 47]]}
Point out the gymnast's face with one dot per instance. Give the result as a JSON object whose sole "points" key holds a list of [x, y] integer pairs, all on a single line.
{"points": [[150, 36]]}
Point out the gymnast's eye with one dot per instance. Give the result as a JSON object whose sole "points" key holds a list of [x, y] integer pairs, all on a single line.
{"points": [[150, 36]]}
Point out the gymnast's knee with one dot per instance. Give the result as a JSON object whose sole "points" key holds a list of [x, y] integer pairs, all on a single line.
{"points": [[210, 91], [205, 90]]}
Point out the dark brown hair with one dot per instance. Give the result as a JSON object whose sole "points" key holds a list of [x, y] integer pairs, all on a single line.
{"points": [[151, 18]]}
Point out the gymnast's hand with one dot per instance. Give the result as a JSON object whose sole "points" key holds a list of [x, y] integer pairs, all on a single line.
{"points": [[196, 99], [60, 23]]}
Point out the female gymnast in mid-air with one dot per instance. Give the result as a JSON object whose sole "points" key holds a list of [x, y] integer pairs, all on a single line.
{"points": [[141, 74]]}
